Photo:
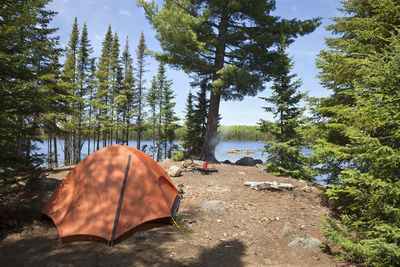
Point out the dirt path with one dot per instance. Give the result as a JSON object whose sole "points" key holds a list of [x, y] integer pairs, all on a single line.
{"points": [[246, 227]]}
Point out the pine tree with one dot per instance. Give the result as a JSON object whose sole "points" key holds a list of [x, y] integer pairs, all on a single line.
{"points": [[91, 103], [284, 153], [191, 132], [357, 131], [152, 99], [141, 55], [70, 81], [83, 76], [103, 98], [196, 120], [128, 91], [116, 93], [28, 48], [230, 41]]}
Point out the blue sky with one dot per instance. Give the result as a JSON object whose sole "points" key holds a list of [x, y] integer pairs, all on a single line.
{"points": [[127, 19]]}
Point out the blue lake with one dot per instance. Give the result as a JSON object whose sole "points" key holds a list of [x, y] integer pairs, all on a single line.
{"points": [[221, 151]]}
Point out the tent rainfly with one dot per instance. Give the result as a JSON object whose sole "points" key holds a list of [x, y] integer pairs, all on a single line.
{"points": [[114, 191]]}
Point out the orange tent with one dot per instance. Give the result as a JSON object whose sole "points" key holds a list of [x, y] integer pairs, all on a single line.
{"points": [[113, 191]]}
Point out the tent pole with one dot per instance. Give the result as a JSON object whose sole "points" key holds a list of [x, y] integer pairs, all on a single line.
{"points": [[121, 196]]}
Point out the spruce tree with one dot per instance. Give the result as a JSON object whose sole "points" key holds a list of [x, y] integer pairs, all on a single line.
{"points": [[83, 77], [70, 81], [103, 98], [128, 91], [152, 98], [117, 98], [141, 55], [191, 132], [357, 131], [28, 91], [284, 153]]}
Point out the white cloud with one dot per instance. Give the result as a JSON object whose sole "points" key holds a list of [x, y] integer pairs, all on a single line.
{"points": [[294, 8], [125, 12]]}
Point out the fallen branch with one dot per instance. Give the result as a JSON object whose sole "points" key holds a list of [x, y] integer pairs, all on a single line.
{"points": [[269, 185]]}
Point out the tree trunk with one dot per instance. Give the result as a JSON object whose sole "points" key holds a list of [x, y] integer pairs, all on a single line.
{"points": [[55, 152], [211, 138]]}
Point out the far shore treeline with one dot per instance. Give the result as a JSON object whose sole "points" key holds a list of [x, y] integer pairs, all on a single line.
{"points": [[230, 49]]}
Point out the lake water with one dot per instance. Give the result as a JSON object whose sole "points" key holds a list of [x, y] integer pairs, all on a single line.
{"points": [[221, 151]]}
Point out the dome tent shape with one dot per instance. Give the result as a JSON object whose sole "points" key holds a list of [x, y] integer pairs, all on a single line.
{"points": [[111, 192]]}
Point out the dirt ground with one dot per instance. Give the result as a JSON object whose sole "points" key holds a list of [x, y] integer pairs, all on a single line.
{"points": [[250, 228]]}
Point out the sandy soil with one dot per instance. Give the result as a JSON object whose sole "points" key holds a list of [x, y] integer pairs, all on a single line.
{"points": [[253, 228]]}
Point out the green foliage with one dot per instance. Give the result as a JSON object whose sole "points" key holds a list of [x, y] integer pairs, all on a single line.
{"points": [[141, 54], [28, 87], [284, 153], [244, 133], [196, 121], [359, 128], [230, 41]]}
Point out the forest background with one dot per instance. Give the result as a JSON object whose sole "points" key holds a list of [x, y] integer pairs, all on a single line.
{"points": [[353, 132]]}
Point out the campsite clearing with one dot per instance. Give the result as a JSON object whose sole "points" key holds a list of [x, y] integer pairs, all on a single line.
{"points": [[222, 223]]}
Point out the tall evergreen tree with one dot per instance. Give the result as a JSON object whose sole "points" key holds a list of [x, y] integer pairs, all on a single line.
{"points": [[284, 153], [116, 93], [196, 120], [229, 40], [83, 77], [91, 122], [128, 91], [191, 132], [28, 49], [141, 55], [70, 81], [152, 98], [357, 130], [103, 98]]}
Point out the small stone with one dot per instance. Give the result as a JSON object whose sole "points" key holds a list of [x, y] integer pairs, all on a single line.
{"points": [[174, 171], [277, 219], [242, 173], [305, 241], [302, 227], [167, 160]]}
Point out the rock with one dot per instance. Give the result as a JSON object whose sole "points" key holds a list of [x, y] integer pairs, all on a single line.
{"points": [[198, 163], [174, 171], [141, 235], [227, 162], [216, 206], [167, 160], [269, 185], [258, 162], [187, 163], [246, 161], [305, 241], [242, 173]]}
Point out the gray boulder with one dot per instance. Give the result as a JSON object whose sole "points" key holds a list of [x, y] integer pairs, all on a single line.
{"points": [[216, 206], [246, 161], [305, 241], [258, 161], [174, 171]]}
